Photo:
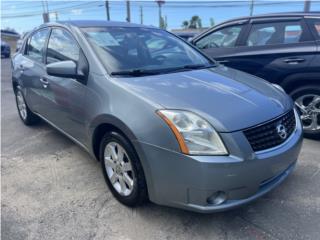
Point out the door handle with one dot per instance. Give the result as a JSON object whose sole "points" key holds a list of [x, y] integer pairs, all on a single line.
{"points": [[294, 60], [44, 82]]}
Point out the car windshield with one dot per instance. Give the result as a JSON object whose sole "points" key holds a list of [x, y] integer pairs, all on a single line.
{"points": [[138, 50]]}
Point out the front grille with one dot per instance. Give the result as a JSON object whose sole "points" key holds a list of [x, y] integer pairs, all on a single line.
{"points": [[267, 135]]}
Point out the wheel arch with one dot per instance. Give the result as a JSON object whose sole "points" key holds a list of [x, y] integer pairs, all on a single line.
{"points": [[297, 80], [106, 123]]}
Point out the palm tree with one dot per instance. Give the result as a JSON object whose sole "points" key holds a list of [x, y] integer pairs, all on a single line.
{"points": [[185, 24], [195, 22], [160, 3]]}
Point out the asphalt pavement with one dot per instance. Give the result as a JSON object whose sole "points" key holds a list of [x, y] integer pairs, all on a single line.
{"points": [[52, 189]]}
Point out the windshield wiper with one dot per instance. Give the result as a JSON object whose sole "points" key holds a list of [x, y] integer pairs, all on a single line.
{"points": [[142, 72], [198, 66], [135, 72]]}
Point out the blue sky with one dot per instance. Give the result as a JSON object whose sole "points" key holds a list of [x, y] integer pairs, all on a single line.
{"points": [[25, 15]]}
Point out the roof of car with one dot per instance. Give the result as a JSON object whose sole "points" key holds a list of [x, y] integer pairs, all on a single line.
{"points": [[286, 14], [273, 15], [262, 16], [99, 23]]}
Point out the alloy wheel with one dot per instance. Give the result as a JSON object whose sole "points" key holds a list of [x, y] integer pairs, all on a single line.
{"points": [[119, 168], [309, 108], [22, 107]]}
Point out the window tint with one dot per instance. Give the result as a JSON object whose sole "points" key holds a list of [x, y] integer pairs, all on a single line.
{"points": [[225, 37], [275, 33], [36, 45], [292, 33], [62, 47]]}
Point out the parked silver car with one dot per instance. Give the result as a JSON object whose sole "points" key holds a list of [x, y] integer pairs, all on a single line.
{"points": [[167, 123]]}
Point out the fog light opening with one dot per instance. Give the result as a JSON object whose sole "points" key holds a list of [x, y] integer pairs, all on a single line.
{"points": [[217, 198]]}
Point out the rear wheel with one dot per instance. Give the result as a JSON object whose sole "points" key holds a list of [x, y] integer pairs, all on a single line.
{"points": [[122, 170], [28, 117], [307, 101]]}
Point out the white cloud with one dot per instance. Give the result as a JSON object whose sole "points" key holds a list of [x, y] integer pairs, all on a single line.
{"points": [[76, 11]]}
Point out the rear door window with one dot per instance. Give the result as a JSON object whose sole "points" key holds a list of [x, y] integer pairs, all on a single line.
{"points": [[292, 33], [262, 34], [36, 45], [315, 25], [223, 38]]}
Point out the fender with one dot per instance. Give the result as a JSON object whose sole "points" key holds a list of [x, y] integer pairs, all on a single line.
{"points": [[117, 123], [294, 81], [112, 120]]}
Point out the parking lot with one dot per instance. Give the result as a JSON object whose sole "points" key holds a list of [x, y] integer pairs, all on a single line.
{"points": [[52, 189]]}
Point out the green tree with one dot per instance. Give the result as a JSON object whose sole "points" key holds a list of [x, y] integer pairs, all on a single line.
{"points": [[185, 24], [163, 23], [195, 22]]}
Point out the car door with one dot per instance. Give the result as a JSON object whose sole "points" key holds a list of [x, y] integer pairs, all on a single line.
{"points": [[65, 96], [275, 48], [314, 25], [31, 67], [221, 42]]}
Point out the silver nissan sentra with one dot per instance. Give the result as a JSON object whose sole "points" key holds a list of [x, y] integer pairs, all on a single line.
{"points": [[166, 122]]}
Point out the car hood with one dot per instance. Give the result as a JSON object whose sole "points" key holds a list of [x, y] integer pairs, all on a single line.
{"points": [[229, 99]]}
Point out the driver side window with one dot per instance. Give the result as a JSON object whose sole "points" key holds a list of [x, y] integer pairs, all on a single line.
{"points": [[62, 47], [225, 37]]}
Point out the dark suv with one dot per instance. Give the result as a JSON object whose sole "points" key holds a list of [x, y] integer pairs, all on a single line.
{"points": [[281, 48]]}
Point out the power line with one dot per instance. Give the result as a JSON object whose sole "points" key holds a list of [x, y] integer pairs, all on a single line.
{"points": [[52, 10]]}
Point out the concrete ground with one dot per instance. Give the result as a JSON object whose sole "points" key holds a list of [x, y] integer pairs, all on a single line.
{"points": [[52, 189]]}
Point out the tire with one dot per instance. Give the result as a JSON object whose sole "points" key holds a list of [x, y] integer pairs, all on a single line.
{"points": [[308, 96], [25, 114], [113, 170]]}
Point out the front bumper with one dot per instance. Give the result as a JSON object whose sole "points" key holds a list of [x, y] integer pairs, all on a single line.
{"points": [[183, 181]]}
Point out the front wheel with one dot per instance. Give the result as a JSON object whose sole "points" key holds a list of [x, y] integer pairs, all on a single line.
{"points": [[307, 101], [122, 170]]}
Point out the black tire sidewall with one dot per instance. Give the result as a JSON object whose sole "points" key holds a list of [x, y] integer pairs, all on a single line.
{"points": [[31, 117], [16, 94], [137, 195], [305, 90]]}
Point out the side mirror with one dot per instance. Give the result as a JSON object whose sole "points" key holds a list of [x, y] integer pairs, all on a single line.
{"points": [[191, 41], [67, 69]]}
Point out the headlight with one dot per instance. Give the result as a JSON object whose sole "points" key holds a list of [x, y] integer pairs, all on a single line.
{"points": [[278, 87], [194, 134]]}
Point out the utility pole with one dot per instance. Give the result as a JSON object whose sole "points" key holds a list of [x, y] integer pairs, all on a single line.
{"points": [[307, 5], [45, 14], [128, 11], [107, 10], [160, 3], [251, 7], [141, 15]]}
